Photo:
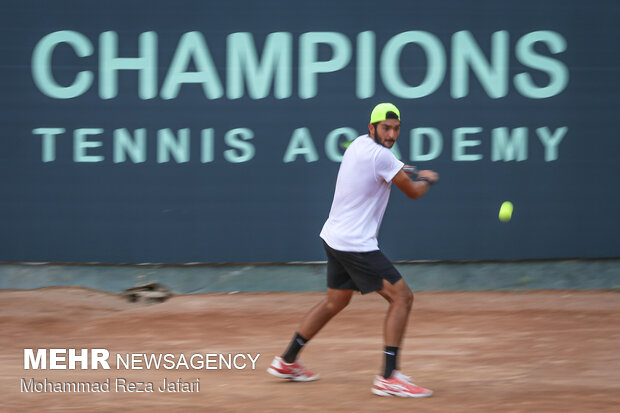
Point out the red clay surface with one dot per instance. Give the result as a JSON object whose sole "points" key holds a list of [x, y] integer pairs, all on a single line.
{"points": [[480, 352]]}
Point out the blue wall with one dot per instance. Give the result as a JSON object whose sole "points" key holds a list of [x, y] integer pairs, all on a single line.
{"points": [[220, 140]]}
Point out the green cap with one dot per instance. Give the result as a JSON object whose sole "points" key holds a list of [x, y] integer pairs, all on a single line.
{"points": [[380, 112]]}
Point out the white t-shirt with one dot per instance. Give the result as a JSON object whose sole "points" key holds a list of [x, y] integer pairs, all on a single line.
{"points": [[361, 197]]}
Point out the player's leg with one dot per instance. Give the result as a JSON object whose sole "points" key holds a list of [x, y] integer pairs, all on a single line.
{"points": [[320, 314], [286, 366], [339, 292], [393, 382], [400, 298], [315, 320]]}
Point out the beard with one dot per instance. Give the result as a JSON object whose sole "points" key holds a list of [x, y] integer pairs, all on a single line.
{"points": [[388, 143]]}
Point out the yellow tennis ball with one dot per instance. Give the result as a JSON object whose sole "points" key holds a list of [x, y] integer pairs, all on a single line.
{"points": [[505, 211]]}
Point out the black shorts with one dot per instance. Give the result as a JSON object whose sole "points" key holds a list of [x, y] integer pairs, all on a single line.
{"points": [[359, 271]]}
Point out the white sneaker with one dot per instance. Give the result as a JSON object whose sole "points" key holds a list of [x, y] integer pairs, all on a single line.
{"points": [[292, 371], [398, 385]]}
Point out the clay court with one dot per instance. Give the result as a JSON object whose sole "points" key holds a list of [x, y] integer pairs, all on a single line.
{"points": [[544, 351]]}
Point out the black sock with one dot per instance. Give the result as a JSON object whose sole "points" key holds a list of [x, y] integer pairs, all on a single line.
{"points": [[294, 348], [391, 354]]}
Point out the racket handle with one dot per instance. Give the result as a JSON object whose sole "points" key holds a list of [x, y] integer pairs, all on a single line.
{"points": [[411, 171]]}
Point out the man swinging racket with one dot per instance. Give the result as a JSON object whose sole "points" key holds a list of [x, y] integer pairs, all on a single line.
{"points": [[354, 261]]}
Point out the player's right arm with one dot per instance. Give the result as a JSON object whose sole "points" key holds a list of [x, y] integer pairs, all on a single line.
{"points": [[415, 189]]}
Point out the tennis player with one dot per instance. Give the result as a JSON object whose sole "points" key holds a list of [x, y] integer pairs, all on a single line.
{"points": [[354, 261]]}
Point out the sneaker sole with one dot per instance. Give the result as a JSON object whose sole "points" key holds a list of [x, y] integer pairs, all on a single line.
{"points": [[394, 394], [276, 373]]}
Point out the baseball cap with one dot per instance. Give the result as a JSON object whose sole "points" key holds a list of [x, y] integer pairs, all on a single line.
{"points": [[381, 111]]}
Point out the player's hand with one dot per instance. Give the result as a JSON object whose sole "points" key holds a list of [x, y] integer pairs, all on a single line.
{"points": [[432, 176]]}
